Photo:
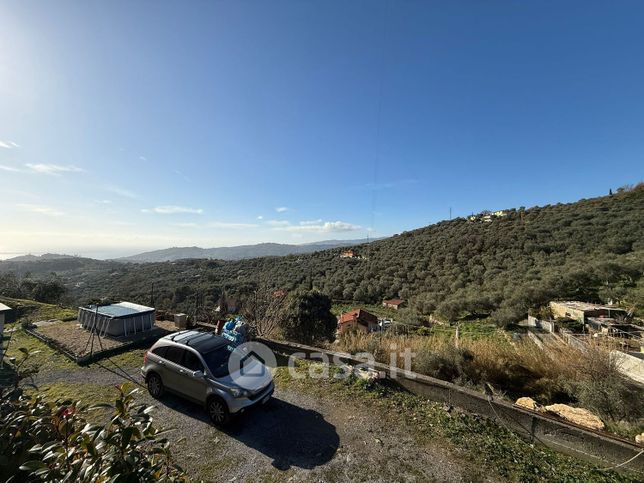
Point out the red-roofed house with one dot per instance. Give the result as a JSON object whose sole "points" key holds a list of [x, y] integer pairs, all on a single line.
{"points": [[357, 319], [393, 303]]}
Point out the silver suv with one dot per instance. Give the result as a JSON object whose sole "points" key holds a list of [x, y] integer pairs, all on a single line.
{"points": [[194, 365]]}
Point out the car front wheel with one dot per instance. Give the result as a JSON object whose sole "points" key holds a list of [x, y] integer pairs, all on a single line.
{"points": [[218, 411], [155, 386]]}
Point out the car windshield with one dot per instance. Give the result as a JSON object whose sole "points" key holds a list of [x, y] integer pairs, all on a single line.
{"points": [[217, 361]]}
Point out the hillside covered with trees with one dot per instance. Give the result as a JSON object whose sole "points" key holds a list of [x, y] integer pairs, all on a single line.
{"points": [[502, 266]]}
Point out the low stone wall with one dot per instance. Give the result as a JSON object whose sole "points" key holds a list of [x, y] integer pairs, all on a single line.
{"points": [[572, 339], [630, 365], [533, 337], [599, 448], [541, 324]]}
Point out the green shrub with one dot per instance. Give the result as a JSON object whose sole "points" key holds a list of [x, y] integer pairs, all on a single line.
{"points": [[53, 441], [308, 318], [601, 387], [450, 364]]}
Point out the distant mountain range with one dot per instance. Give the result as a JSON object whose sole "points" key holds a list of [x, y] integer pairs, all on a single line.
{"points": [[35, 258], [238, 252]]}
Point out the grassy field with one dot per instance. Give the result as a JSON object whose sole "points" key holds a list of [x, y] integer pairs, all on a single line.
{"points": [[85, 393], [43, 356], [475, 330], [35, 311], [472, 330]]}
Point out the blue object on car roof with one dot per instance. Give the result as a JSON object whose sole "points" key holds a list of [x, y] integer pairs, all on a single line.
{"points": [[235, 331]]}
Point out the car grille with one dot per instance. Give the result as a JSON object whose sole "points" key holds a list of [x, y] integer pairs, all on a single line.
{"points": [[259, 392]]}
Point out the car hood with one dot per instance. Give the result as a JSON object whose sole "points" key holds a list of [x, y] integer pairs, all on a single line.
{"points": [[253, 376]]}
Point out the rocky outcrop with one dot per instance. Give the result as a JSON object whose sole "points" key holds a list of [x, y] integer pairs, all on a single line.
{"points": [[529, 403], [366, 374], [580, 416]]}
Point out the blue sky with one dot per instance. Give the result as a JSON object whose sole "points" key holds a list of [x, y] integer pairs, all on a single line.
{"points": [[136, 125]]}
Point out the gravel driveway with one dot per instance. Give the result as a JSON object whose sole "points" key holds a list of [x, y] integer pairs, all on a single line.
{"points": [[294, 437]]}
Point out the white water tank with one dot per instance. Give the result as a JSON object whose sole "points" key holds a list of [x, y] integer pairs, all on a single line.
{"points": [[180, 321]]}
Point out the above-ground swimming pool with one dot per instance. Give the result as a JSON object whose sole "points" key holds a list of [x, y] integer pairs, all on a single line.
{"points": [[116, 320]]}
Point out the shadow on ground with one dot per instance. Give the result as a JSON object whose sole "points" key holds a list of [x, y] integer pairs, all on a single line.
{"points": [[287, 434]]}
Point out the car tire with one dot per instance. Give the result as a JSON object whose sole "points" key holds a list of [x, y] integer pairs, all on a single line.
{"points": [[155, 386], [218, 411]]}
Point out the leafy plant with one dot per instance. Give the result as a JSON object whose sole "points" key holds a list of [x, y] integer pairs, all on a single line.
{"points": [[308, 317], [127, 448], [49, 441]]}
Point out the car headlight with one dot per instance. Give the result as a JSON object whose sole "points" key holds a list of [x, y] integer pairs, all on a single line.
{"points": [[235, 391], [239, 392]]}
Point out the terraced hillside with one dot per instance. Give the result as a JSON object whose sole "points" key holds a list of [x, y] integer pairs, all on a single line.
{"points": [[501, 265]]}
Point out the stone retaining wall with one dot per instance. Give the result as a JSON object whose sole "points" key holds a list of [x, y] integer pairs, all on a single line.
{"points": [[600, 448]]}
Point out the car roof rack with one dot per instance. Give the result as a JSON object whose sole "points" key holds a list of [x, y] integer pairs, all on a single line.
{"points": [[197, 337], [174, 336]]}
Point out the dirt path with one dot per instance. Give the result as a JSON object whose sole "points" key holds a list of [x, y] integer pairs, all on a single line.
{"points": [[301, 438], [295, 437]]}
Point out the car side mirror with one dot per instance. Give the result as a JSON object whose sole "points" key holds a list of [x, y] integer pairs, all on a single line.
{"points": [[198, 374]]}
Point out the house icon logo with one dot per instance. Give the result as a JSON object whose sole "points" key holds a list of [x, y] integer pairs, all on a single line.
{"points": [[251, 363], [248, 368]]}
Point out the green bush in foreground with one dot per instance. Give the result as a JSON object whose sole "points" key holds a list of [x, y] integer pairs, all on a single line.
{"points": [[53, 441]]}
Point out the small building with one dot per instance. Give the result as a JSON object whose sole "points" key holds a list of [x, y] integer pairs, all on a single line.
{"points": [[487, 216], [4, 314], [116, 320], [348, 254], [582, 310], [280, 294], [615, 327], [359, 320], [393, 303]]}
